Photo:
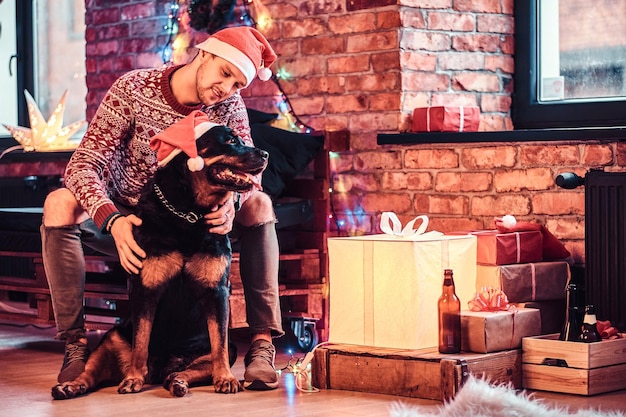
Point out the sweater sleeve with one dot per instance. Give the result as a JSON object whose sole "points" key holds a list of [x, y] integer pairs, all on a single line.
{"points": [[86, 172]]}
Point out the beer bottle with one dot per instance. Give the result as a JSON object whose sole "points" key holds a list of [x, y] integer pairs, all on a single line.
{"points": [[572, 327], [590, 330], [449, 308]]}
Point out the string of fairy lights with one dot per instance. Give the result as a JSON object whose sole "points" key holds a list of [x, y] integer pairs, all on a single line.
{"points": [[179, 33]]}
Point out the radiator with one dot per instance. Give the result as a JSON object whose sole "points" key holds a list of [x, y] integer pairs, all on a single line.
{"points": [[605, 245]]}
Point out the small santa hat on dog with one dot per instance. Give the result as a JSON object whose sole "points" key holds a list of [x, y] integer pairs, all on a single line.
{"points": [[246, 48], [181, 137]]}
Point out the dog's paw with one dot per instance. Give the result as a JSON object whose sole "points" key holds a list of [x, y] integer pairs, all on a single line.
{"points": [[68, 390], [227, 385], [130, 385], [178, 387]]}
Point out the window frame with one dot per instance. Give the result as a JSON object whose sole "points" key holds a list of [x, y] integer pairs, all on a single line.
{"points": [[25, 65], [526, 111]]}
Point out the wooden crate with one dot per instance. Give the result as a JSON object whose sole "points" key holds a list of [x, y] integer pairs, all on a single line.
{"points": [[422, 373], [549, 364]]}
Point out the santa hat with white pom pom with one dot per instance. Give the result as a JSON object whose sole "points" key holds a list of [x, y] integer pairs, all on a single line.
{"points": [[244, 47], [181, 137]]}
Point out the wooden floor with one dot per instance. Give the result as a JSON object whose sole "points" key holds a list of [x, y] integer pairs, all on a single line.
{"points": [[30, 359]]}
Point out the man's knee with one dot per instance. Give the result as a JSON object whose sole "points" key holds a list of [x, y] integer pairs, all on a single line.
{"points": [[62, 209], [257, 209]]}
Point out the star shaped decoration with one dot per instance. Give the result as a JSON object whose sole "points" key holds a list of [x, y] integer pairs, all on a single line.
{"points": [[46, 136]]}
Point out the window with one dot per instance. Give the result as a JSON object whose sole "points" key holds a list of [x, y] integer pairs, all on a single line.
{"points": [[42, 50], [570, 64]]}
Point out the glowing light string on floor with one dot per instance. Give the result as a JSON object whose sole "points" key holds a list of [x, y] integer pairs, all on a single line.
{"points": [[202, 15]]}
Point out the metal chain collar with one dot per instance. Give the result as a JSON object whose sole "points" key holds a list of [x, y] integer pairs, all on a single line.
{"points": [[191, 217]]}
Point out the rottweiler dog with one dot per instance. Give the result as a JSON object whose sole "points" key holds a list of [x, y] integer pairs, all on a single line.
{"points": [[178, 333]]}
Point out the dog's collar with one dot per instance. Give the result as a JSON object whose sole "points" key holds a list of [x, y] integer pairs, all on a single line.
{"points": [[190, 217]]}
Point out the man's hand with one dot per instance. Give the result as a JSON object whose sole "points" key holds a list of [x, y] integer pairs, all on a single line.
{"points": [[220, 219], [129, 251]]}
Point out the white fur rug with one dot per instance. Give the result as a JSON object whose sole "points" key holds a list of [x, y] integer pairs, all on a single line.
{"points": [[478, 398]]}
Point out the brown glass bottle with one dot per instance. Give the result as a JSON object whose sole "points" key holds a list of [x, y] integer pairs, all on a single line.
{"points": [[572, 326], [449, 308], [589, 332]]}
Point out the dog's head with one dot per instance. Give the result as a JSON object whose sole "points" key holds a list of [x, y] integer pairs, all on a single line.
{"points": [[229, 163]]}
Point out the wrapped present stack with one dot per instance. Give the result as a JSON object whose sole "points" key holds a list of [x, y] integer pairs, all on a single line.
{"points": [[525, 265]]}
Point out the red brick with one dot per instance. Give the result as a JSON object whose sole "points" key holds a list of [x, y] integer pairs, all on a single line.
{"points": [[561, 202], [321, 85], [495, 103], [478, 6], [113, 32], [426, 81], [454, 99], [382, 121], [523, 179], [425, 41], [385, 61], [352, 23], [322, 45], [419, 181], [476, 43], [377, 202], [567, 227], [384, 101], [368, 161], [495, 24], [347, 103], [476, 81], [373, 82], [507, 44], [460, 61], [503, 63], [303, 66], [388, 20], [450, 21], [490, 205], [138, 11], [454, 182], [137, 45], [102, 17], [348, 64], [418, 61], [430, 158], [347, 183], [413, 18], [372, 42], [454, 224], [492, 123], [489, 157], [549, 155], [445, 204], [620, 157], [303, 28], [597, 155], [102, 48], [307, 105]]}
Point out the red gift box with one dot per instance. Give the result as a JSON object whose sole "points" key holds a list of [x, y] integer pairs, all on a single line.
{"points": [[446, 119], [495, 248]]}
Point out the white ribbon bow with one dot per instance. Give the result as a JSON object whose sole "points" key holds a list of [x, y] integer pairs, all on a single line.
{"points": [[390, 225]]}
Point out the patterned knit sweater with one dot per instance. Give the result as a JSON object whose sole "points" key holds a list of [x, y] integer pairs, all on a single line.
{"points": [[114, 159]]}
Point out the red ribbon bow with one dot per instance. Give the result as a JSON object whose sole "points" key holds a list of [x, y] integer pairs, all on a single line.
{"points": [[489, 299], [607, 331]]}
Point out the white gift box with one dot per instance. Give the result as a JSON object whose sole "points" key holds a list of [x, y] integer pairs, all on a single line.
{"points": [[384, 288]]}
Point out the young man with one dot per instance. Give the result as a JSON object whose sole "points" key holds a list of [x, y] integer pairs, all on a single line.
{"points": [[105, 175]]}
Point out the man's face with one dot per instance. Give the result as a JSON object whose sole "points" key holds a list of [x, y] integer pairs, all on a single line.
{"points": [[217, 79]]}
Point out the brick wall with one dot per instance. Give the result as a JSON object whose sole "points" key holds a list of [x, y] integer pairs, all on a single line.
{"points": [[363, 65]]}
